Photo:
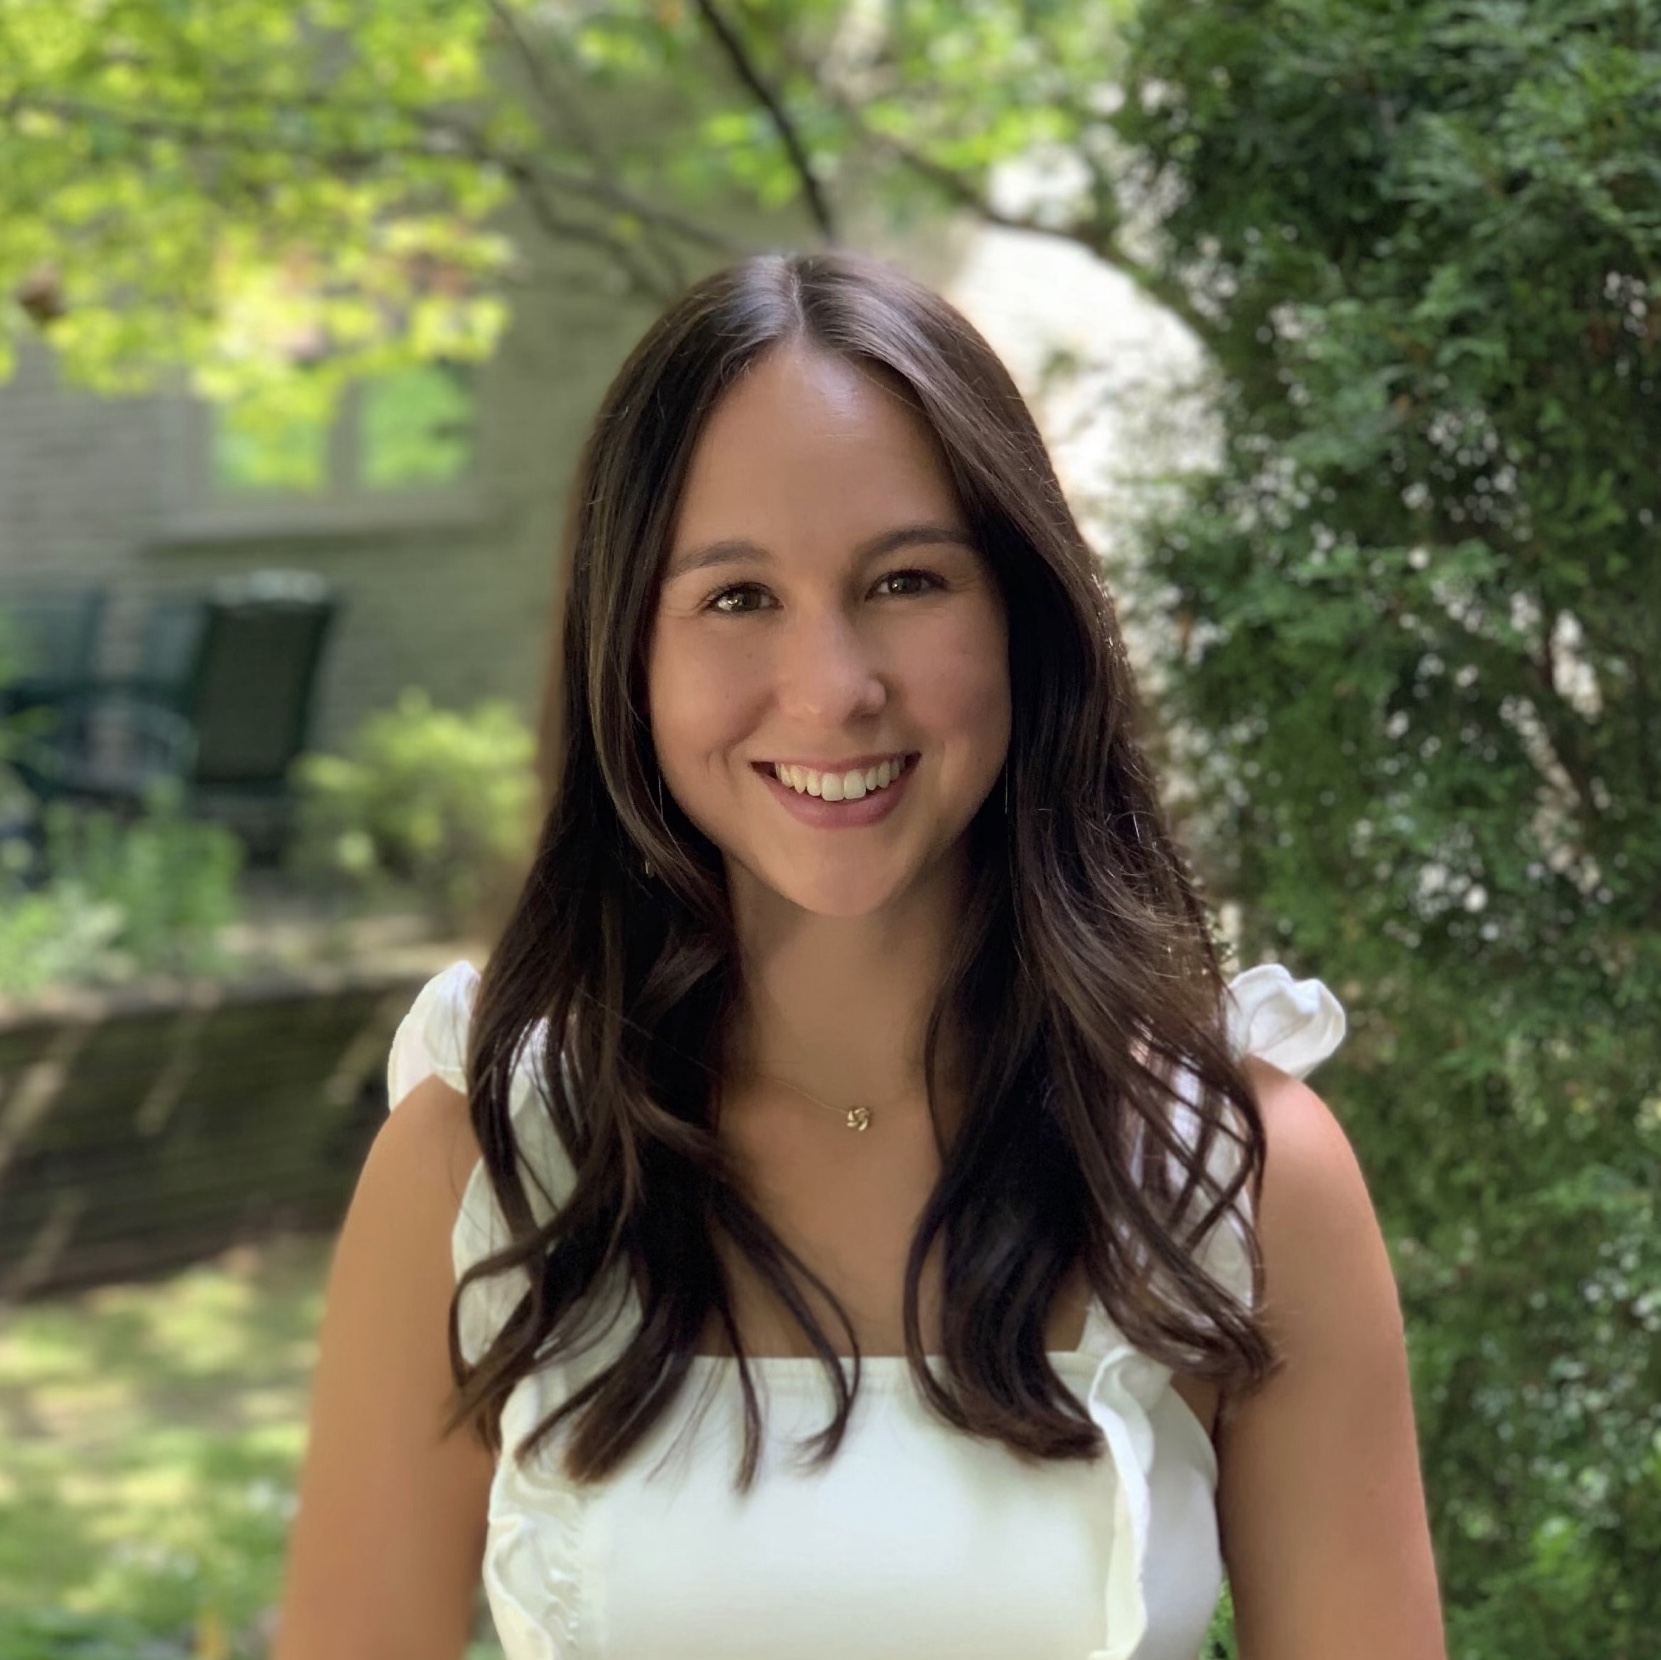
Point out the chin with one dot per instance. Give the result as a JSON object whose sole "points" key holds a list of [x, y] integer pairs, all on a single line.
{"points": [[847, 894], [926, 878], [844, 902]]}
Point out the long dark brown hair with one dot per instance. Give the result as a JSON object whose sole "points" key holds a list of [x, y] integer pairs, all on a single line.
{"points": [[1084, 966]]}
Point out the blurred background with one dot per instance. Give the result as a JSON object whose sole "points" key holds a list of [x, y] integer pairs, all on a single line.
{"points": [[1343, 319]]}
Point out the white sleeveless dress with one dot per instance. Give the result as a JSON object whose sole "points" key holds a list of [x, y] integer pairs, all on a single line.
{"points": [[916, 1542]]}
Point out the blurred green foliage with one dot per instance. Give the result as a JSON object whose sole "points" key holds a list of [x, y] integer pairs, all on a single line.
{"points": [[290, 195], [430, 801], [54, 1635], [414, 427], [251, 187], [107, 899], [1419, 613]]}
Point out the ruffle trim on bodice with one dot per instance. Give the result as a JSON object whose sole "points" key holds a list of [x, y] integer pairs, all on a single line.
{"points": [[1292, 1024], [532, 1572], [531, 1566]]}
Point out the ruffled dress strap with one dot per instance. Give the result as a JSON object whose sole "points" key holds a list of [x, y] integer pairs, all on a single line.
{"points": [[431, 1042], [1293, 1024]]}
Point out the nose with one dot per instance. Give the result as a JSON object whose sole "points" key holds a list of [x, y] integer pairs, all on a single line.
{"points": [[828, 671]]}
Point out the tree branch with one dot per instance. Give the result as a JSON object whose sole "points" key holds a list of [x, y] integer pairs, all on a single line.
{"points": [[1162, 290], [564, 113], [604, 191], [536, 72], [744, 67]]}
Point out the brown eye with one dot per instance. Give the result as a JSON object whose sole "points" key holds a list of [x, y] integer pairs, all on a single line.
{"points": [[735, 601], [910, 582]]}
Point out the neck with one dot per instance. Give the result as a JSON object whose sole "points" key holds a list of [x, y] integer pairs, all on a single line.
{"points": [[840, 1005]]}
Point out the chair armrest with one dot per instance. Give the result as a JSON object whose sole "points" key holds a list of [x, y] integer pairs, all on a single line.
{"points": [[108, 740]]}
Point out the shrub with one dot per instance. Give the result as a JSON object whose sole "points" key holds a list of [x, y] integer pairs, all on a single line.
{"points": [[110, 900], [1416, 680], [430, 800]]}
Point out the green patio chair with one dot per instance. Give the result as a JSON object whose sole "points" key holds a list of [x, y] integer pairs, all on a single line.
{"points": [[48, 642], [223, 704]]}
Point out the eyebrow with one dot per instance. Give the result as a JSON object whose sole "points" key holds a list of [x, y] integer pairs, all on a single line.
{"points": [[734, 550]]}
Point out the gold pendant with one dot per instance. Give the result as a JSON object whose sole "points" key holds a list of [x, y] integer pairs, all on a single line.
{"points": [[859, 1118]]}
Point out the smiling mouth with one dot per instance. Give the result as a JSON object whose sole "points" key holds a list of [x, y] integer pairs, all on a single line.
{"points": [[851, 785]]}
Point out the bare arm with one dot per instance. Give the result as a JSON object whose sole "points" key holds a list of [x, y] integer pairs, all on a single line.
{"points": [[1320, 1499], [384, 1555]]}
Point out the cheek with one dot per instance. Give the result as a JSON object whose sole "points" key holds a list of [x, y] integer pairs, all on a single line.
{"points": [[700, 700], [965, 688]]}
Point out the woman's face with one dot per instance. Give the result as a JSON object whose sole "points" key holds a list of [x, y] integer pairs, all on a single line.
{"points": [[828, 667]]}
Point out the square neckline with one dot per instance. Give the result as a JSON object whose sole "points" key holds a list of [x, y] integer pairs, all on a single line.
{"points": [[1086, 1350]]}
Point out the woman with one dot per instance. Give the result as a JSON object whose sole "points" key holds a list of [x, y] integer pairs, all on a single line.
{"points": [[879, 1231]]}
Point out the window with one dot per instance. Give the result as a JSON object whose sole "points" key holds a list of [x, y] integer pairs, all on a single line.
{"points": [[417, 427], [410, 429], [398, 452], [247, 455]]}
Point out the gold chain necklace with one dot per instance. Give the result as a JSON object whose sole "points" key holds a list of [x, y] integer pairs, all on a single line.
{"points": [[856, 1118]]}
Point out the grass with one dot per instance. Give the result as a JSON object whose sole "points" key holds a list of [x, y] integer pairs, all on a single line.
{"points": [[150, 1438]]}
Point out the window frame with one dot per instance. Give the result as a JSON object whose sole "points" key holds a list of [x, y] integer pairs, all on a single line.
{"points": [[197, 509]]}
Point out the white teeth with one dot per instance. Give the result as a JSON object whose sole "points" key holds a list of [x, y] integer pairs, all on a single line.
{"points": [[839, 786]]}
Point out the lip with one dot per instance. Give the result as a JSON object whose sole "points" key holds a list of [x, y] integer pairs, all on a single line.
{"points": [[820, 814]]}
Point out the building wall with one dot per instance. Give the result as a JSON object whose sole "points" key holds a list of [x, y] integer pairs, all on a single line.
{"points": [[449, 592]]}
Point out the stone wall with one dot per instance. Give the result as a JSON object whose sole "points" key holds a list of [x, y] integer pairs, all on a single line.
{"points": [[144, 1130]]}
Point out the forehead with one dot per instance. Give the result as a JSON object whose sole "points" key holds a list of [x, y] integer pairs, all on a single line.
{"points": [[811, 446]]}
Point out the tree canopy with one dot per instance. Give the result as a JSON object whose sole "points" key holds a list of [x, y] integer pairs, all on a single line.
{"points": [[241, 185]]}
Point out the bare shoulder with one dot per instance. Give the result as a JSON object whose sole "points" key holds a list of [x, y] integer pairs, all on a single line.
{"points": [[1312, 1179], [1329, 1290], [426, 1150], [1320, 1500], [381, 1463]]}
